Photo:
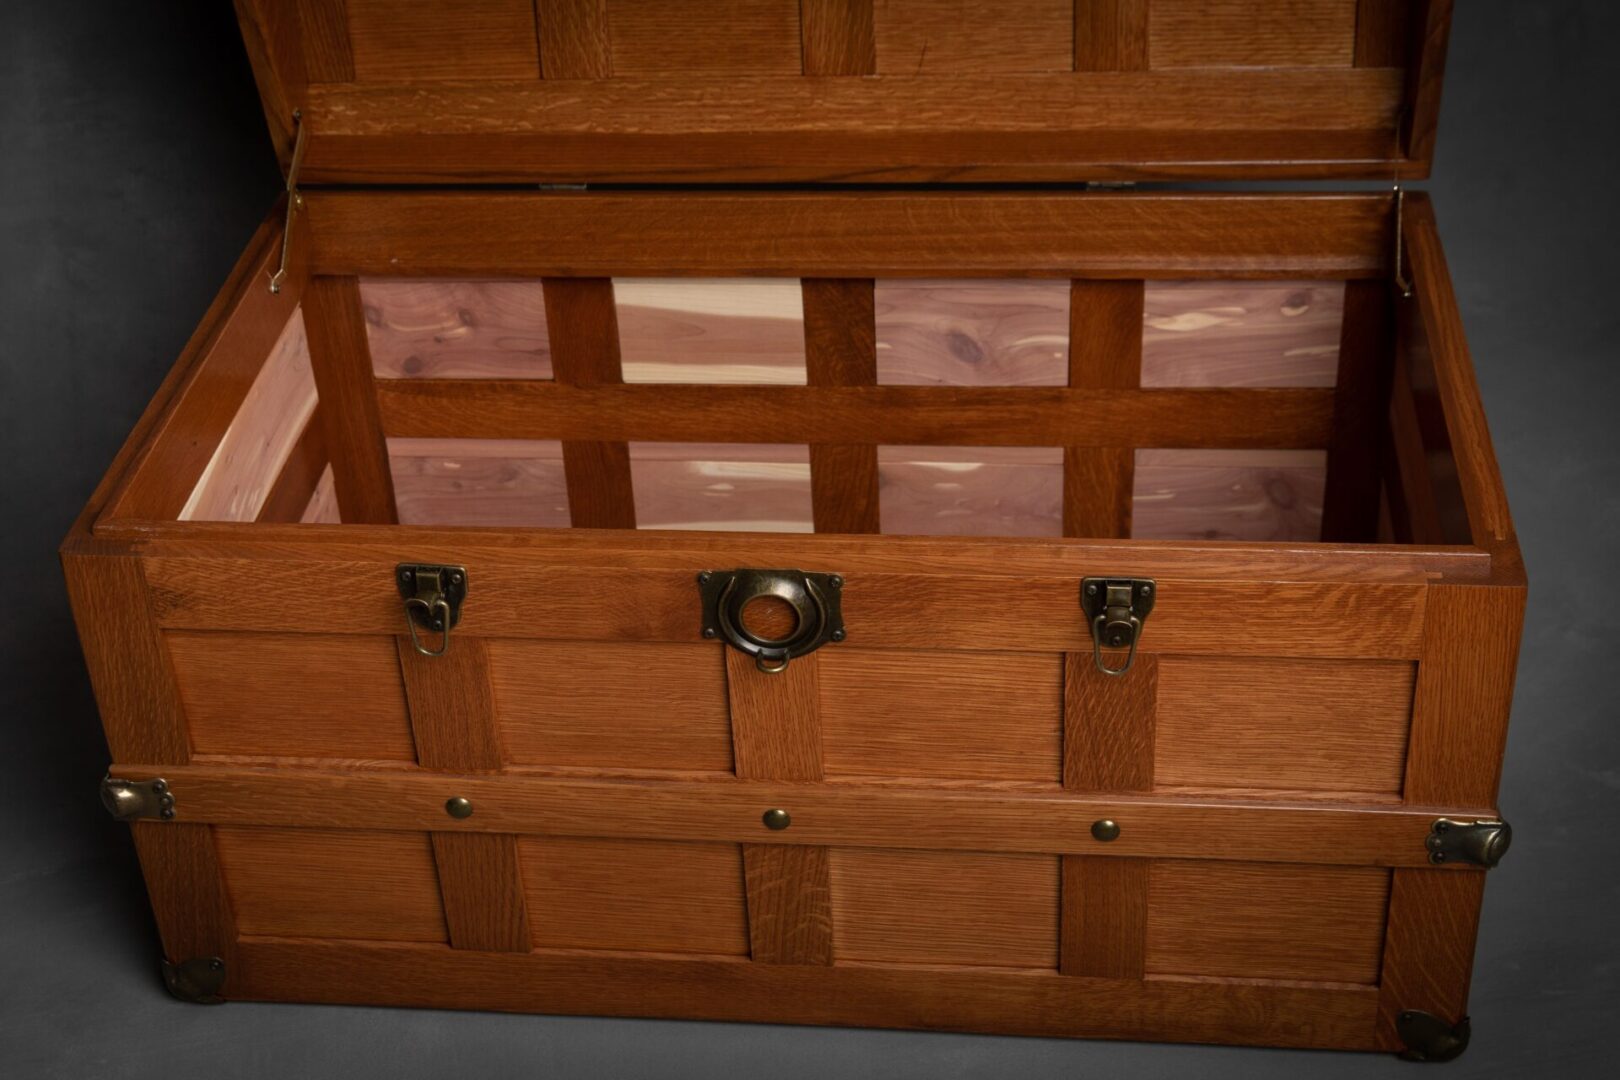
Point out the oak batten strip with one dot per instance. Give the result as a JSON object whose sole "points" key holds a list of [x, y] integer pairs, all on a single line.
{"points": [[452, 707], [323, 31], [1382, 32], [1428, 947], [1425, 75], [1366, 358], [181, 865], [583, 325], [295, 484], [837, 37], [1105, 352], [776, 735], [1104, 917], [574, 39], [1110, 35], [840, 348], [340, 357], [1181, 418]]}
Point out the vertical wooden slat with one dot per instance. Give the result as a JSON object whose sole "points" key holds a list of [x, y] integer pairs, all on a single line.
{"points": [[1108, 730], [1110, 35], [1105, 352], [1382, 32], [583, 326], [1425, 75], [183, 878], [1366, 356], [776, 735], [272, 37], [1459, 728], [452, 707], [574, 42], [838, 37], [341, 360], [840, 347], [324, 32]]}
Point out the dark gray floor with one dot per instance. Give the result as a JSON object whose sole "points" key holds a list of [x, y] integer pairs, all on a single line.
{"points": [[133, 165]]}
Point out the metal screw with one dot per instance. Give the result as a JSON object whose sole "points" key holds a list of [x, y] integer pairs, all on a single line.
{"points": [[705, 577], [459, 807], [167, 812], [160, 786], [1091, 590], [708, 631], [1147, 590], [776, 820], [1105, 830], [838, 634], [836, 582], [216, 964], [456, 578], [405, 575], [1442, 826]]}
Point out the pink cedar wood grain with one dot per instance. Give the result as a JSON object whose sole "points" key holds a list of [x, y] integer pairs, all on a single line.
{"points": [[435, 329], [711, 330], [972, 332]]}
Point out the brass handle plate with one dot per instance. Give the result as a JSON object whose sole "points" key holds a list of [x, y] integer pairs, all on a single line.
{"points": [[814, 599]]}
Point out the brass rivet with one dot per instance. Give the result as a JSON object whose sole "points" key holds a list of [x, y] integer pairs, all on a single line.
{"points": [[777, 819], [1105, 830], [459, 807]]}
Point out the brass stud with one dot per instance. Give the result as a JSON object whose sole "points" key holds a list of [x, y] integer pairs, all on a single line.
{"points": [[777, 820], [459, 807], [1105, 830]]}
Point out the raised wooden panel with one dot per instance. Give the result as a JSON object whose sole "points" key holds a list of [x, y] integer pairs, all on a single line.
{"points": [[933, 907], [947, 37], [433, 329], [293, 695], [1252, 33], [1241, 333], [1336, 726], [971, 716], [972, 333], [1228, 494], [970, 491], [447, 39], [1266, 920], [262, 434], [635, 895], [516, 482], [330, 883], [624, 706], [711, 330], [731, 37], [740, 487]]}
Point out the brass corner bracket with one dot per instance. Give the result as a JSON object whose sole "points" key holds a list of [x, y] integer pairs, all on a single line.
{"points": [[128, 800], [1429, 1038], [1482, 843], [197, 981]]}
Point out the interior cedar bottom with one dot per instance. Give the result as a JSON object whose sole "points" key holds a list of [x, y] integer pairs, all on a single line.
{"points": [[961, 401]]}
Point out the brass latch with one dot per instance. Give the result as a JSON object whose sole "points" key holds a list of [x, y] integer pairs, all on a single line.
{"points": [[1116, 609], [129, 800], [433, 596], [1482, 843]]}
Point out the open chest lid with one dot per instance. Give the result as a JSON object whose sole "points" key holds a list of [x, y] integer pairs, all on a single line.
{"points": [[849, 91]]}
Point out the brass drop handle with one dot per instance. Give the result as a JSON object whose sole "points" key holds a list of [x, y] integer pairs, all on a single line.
{"points": [[1116, 609], [813, 598]]}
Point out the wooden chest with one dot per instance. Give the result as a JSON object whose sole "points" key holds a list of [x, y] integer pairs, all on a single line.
{"points": [[871, 596]]}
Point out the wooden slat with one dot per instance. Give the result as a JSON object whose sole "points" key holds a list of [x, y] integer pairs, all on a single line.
{"points": [[1429, 951], [1105, 352], [271, 33], [487, 39], [901, 415], [1382, 32], [840, 349], [452, 705], [863, 234], [1414, 492], [1425, 76], [837, 37], [941, 817], [323, 31], [1366, 352], [887, 610], [776, 734], [1110, 35], [660, 125], [717, 38], [1108, 736], [130, 671], [456, 329], [1030, 1002], [584, 331], [574, 41], [183, 878], [341, 360], [295, 484], [1252, 33], [946, 37], [1104, 916]]}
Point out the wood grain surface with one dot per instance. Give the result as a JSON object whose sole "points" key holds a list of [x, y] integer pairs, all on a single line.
{"points": [[837, 37], [970, 491], [456, 329], [1104, 916], [1109, 724], [1252, 33], [480, 482], [972, 332], [714, 330], [339, 356], [1241, 333], [747, 487], [945, 37], [459, 39], [1105, 351], [840, 349], [1228, 494]]}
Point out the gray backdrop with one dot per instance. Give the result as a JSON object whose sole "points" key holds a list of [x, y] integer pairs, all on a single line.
{"points": [[134, 164]]}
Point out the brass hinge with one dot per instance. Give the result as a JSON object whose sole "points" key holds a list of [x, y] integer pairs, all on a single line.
{"points": [[128, 800], [1482, 843], [295, 201]]}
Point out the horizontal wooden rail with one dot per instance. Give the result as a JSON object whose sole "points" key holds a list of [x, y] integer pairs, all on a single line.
{"points": [[850, 234], [1057, 126], [835, 814], [1002, 1000], [896, 415]]}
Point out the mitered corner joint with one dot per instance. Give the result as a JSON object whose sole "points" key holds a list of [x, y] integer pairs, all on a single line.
{"points": [[197, 981], [128, 800], [1481, 843]]}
